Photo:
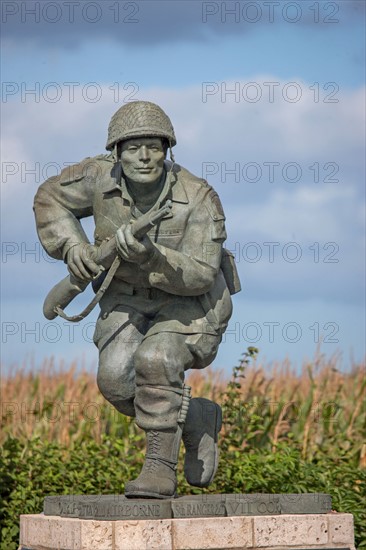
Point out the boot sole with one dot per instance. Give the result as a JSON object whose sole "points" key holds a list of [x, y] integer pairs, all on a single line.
{"points": [[146, 494], [218, 426]]}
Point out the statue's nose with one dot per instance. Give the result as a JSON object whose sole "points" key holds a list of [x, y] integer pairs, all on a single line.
{"points": [[144, 153]]}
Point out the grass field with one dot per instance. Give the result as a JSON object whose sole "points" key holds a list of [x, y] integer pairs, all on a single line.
{"points": [[321, 405], [283, 431]]}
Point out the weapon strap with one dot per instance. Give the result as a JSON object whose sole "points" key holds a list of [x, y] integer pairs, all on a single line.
{"points": [[107, 281]]}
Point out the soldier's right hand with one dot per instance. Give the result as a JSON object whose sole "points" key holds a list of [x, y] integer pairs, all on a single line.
{"points": [[80, 262]]}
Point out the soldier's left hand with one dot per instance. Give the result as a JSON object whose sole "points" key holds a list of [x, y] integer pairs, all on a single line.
{"points": [[132, 250]]}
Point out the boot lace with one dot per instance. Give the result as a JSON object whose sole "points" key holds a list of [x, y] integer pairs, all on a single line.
{"points": [[154, 445]]}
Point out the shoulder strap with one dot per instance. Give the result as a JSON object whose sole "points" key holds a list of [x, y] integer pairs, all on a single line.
{"points": [[107, 281]]}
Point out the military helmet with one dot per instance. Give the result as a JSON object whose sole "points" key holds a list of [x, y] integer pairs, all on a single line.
{"points": [[139, 119]]}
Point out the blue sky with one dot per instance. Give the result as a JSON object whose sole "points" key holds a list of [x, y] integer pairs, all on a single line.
{"points": [[289, 167]]}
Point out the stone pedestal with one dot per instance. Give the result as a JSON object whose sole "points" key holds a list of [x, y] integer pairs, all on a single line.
{"points": [[268, 532]]}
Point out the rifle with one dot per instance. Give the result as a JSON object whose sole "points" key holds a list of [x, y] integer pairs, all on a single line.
{"points": [[68, 288]]}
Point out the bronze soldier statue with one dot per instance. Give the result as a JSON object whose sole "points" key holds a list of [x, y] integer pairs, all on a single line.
{"points": [[164, 292]]}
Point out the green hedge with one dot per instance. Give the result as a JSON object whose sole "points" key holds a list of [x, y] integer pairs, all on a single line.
{"points": [[251, 461], [40, 468]]}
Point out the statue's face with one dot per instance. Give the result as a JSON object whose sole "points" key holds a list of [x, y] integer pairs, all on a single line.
{"points": [[143, 160]]}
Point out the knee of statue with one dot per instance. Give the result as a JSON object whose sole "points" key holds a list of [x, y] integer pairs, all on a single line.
{"points": [[112, 390], [103, 385], [150, 357], [156, 368], [123, 402]]}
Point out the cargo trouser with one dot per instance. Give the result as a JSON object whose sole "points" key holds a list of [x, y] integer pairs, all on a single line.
{"points": [[143, 358]]}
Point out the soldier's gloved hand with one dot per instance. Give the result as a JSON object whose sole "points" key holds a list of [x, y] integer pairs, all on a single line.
{"points": [[80, 262], [132, 250]]}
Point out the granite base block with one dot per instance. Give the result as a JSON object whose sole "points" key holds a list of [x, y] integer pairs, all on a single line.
{"points": [[277, 532]]}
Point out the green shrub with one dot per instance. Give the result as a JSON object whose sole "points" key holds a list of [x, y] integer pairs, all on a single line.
{"points": [[253, 460], [30, 472]]}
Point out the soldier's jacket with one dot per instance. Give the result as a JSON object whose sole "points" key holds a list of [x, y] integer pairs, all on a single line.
{"points": [[188, 240]]}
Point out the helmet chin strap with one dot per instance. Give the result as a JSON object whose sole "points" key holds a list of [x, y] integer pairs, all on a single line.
{"points": [[171, 155], [118, 165]]}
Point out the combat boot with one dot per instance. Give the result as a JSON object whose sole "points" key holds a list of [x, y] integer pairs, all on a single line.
{"points": [[200, 433], [158, 478]]}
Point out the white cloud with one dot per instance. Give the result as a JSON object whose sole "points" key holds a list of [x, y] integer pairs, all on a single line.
{"points": [[215, 129], [306, 213], [223, 132]]}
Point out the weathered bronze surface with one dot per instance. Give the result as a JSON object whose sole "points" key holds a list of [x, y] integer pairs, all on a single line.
{"points": [[118, 507], [164, 293]]}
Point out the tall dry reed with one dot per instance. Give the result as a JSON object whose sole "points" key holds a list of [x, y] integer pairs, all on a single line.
{"points": [[319, 406]]}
